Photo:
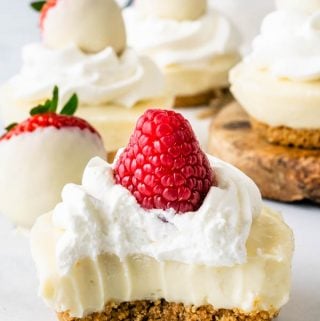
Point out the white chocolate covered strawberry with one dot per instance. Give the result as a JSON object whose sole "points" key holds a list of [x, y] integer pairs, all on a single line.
{"points": [[40, 155], [91, 25]]}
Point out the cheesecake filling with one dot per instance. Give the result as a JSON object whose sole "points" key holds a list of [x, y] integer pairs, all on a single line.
{"points": [[278, 83], [262, 283], [98, 246]]}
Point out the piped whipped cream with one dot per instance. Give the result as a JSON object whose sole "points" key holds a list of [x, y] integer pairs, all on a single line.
{"points": [[99, 78], [289, 45], [102, 217], [189, 42]]}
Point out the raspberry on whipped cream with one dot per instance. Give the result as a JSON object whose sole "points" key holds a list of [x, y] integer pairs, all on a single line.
{"points": [[137, 193]]}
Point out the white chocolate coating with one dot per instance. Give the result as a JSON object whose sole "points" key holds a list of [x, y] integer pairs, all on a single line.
{"points": [[173, 9], [34, 167], [91, 25]]}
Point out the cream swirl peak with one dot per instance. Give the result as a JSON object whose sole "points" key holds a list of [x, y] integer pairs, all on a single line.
{"points": [[99, 78], [170, 41], [289, 45], [103, 217]]}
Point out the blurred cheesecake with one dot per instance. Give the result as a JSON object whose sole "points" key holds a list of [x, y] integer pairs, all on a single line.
{"points": [[278, 82], [194, 45], [84, 50]]}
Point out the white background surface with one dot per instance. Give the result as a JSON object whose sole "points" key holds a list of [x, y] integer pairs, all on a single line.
{"points": [[18, 283]]}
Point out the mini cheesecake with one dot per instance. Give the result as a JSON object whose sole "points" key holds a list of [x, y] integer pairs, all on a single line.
{"points": [[278, 82], [193, 44], [165, 232]]}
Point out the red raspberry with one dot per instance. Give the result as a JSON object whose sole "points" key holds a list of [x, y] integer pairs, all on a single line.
{"points": [[163, 165]]}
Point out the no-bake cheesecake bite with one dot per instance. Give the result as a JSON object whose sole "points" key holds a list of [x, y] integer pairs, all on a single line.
{"points": [[272, 130], [84, 50], [278, 83], [40, 155], [193, 44], [166, 232]]}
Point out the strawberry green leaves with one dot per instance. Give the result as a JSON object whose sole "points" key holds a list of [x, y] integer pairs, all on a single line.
{"points": [[11, 126], [71, 106], [55, 100], [51, 105], [38, 5]]}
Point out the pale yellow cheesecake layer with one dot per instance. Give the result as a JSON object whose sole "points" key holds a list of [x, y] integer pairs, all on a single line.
{"points": [[276, 101], [262, 283], [184, 80], [115, 123]]}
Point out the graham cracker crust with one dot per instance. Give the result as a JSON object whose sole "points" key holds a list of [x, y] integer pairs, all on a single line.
{"points": [[201, 99], [163, 310], [285, 136], [111, 156], [282, 173]]}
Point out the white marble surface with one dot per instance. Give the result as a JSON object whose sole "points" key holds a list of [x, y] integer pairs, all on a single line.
{"points": [[18, 294]]}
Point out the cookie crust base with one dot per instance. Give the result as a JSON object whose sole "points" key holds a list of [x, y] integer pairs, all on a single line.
{"points": [[285, 136], [282, 173], [163, 310], [201, 99]]}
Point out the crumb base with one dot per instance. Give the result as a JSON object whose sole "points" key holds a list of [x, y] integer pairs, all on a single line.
{"points": [[201, 99], [282, 173], [282, 135], [163, 310]]}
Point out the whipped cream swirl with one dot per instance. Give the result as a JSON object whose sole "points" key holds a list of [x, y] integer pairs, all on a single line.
{"points": [[103, 217], [289, 45], [170, 41], [98, 78]]}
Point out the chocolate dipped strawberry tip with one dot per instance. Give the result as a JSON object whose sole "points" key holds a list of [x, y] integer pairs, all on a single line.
{"points": [[45, 115]]}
